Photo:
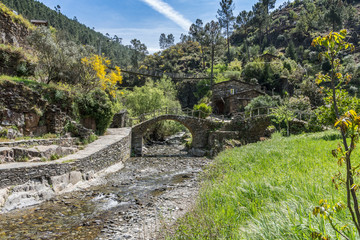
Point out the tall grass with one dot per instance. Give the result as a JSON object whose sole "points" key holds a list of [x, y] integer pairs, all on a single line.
{"points": [[267, 190]]}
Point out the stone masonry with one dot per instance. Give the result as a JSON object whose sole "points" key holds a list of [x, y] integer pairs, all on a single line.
{"points": [[106, 151], [199, 128]]}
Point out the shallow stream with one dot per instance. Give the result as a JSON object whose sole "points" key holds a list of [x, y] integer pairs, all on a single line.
{"points": [[138, 202]]}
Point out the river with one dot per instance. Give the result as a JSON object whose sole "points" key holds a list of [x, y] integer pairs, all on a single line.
{"points": [[138, 202]]}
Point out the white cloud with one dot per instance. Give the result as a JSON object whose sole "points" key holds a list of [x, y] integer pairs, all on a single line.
{"points": [[165, 9]]}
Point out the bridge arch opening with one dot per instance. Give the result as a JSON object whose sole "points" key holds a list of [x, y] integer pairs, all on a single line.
{"points": [[199, 129], [172, 134]]}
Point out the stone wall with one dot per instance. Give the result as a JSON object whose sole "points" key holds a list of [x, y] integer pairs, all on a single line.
{"points": [[28, 111], [120, 119], [249, 129], [11, 32], [44, 142], [106, 151]]}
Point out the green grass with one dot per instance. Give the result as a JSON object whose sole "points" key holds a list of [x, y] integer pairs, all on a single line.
{"points": [[267, 190], [27, 82]]}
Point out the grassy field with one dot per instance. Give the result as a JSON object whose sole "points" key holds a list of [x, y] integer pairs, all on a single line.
{"points": [[267, 190]]}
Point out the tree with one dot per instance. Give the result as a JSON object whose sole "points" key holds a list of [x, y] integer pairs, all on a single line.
{"points": [[285, 113], [59, 60], [262, 18], [291, 51], [139, 51], [259, 19], [57, 8], [334, 13], [349, 126], [226, 19], [98, 75], [166, 42], [268, 4], [213, 37], [184, 38], [197, 32], [242, 21]]}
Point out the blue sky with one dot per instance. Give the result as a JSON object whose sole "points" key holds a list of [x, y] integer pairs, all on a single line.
{"points": [[143, 19]]}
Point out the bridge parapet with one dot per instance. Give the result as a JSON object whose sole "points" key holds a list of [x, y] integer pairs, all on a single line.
{"points": [[171, 111]]}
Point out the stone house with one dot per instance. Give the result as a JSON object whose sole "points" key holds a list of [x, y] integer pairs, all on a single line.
{"points": [[232, 96]]}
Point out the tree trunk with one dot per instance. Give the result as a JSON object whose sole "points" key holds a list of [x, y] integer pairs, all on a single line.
{"points": [[212, 65]]}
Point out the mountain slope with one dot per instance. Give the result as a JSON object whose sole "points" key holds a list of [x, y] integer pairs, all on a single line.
{"points": [[71, 29]]}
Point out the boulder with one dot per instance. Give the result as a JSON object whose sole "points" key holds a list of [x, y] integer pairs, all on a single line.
{"points": [[31, 123], [197, 152], [75, 177]]}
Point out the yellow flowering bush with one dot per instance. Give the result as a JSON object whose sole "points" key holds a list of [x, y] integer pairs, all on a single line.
{"points": [[100, 76]]}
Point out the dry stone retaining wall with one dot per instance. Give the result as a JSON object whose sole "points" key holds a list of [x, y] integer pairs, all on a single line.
{"points": [[45, 142], [108, 150]]}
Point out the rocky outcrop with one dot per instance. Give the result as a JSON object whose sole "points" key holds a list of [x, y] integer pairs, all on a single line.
{"points": [[11, 32], [26, 110]]}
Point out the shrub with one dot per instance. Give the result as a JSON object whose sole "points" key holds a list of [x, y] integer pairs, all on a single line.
{"points": [[97, 105], [150, 97], [265, 101], [203, 110]]}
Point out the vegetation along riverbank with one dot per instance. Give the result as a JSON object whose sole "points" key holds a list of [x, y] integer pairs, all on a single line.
{"points": [[267, 190]]}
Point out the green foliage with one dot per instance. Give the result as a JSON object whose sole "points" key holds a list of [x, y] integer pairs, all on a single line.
{"points": [[202, 110], [181, 58], [89, 140], [97, 105], [150, 97], [16, 61], [54, 157], [326, 113], [265, 101], [264, 191], [59, 60]]}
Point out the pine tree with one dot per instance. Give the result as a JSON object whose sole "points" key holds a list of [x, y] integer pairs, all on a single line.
{"points": [[226, 19]]}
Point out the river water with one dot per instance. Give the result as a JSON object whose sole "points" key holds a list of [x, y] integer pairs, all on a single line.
{"points": [[138, 202]]}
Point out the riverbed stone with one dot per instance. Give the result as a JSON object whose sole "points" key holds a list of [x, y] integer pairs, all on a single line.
{"points": [[4, 194], [75, 177], [28, 194], [197, 152]]}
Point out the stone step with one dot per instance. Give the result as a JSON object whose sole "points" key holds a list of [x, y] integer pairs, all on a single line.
{"points": [[6, 155], [43, 152]]}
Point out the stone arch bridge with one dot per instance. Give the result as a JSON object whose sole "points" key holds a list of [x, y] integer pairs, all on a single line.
{"points": [[248, 127], [199, 129]]}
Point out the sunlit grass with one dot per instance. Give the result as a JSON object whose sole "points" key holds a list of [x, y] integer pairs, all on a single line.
{"points": [[267, 190]]}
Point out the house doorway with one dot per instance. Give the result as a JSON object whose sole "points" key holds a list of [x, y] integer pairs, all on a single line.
{"points": [[220, 107]]}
